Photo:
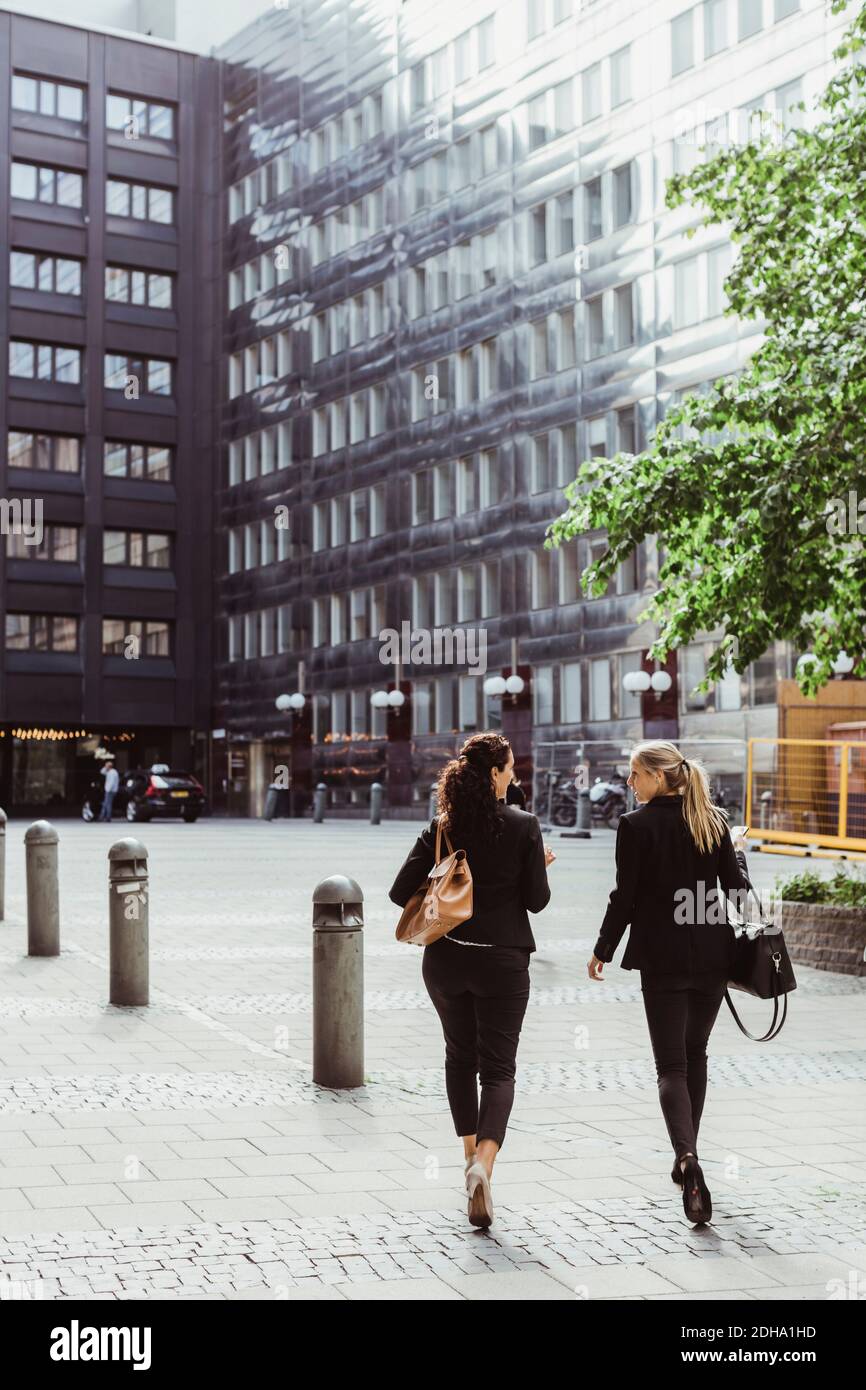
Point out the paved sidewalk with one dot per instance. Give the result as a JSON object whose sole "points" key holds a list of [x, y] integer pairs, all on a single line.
{"points": [[183, 1151]]}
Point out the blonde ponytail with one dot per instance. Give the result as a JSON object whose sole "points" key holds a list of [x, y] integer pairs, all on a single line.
{"points": [[707, 824]]}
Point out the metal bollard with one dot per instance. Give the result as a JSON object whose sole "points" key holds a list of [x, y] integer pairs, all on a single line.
{"points": [[43, 894], [766, 809], [128, 923], [431, 804], [2, 866], [376, 792], [319, 799], [581, 829], [338, 983]]}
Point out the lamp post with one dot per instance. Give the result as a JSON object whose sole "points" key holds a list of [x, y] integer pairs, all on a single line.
{"points": [[514, 690], [659, 715], [301, 735], [398, 752]]}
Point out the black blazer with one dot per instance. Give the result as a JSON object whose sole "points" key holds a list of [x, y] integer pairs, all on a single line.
{"points": [[656, 860], [515, 796], [509, 879]]}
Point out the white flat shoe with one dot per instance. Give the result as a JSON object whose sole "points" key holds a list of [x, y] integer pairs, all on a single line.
{"points": [[480, 1209]]}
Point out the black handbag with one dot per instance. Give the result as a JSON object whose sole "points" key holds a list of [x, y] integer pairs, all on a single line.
{"points": [[762, 967]]}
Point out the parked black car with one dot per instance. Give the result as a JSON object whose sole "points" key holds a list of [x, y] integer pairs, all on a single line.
{"points": [[147, 792], [162, 791]]}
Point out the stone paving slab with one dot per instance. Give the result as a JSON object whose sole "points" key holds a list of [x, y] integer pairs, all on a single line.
{"points": [[184, 1151]]}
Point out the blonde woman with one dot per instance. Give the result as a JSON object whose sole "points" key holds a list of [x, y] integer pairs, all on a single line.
{"points": [[670, 854]]}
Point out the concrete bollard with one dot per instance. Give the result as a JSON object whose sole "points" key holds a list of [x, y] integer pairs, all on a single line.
{"points": [[431, 804], [583, 821], [128, 923], [2, 866], [43, 893], [338, 983], [320, 797], [376, 792]]}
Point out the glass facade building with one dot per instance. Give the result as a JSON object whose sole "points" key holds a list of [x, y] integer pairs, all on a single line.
{"points": [[450, 275], [305, 338]]}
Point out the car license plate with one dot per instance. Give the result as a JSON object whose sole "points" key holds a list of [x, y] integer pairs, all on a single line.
{"points": [[180, 793]]}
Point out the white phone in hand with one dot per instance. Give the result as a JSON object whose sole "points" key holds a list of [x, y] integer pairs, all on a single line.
{"points": [[739, 831]]}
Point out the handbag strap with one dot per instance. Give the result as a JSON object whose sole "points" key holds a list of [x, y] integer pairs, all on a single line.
{"points": [[773, 1031], [439, 833]]}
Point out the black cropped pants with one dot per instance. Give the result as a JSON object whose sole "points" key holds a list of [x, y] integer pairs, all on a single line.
{"points": [[681, 1011], [480, 994]]}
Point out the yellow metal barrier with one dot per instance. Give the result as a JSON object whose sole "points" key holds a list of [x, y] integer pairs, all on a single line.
{"points": [[807, 792]]}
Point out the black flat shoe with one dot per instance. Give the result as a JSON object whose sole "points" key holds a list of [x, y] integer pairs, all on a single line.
{"points": [[677, 1173], [697, 1203]]}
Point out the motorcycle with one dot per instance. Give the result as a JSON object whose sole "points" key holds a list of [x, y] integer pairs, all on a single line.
{"points": [[608, 800]]}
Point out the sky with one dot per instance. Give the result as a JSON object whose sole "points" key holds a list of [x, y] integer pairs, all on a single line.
{"points": [[201, 24]]}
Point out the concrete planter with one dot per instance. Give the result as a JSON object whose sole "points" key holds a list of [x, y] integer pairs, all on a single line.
{"points": [[824, 937]]}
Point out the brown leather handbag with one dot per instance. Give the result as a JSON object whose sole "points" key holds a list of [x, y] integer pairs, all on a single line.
{"points": [[441, 903]]}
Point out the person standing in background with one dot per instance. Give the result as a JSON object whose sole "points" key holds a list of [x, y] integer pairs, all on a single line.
{"points": [[112, 782]]}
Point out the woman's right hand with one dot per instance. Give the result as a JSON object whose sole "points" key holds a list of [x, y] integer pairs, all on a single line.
{"points": [[549, 856]]}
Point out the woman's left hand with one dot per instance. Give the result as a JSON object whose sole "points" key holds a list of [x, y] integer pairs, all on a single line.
{"points": [[594, 968]]}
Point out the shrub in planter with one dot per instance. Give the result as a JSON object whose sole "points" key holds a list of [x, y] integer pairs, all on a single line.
{"points": [[824, 919]]}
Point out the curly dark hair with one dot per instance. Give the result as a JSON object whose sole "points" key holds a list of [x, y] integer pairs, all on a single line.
{"points": [[465, 799]]}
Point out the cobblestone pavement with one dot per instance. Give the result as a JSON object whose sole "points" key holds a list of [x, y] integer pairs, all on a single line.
{"points": [[183, 1150]]}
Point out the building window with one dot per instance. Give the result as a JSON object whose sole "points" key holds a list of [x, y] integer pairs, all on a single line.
{"points": [[145, 287], [623, 317], [151, 637], [58, 543], [45, 98], [750, 18], [592, 209], [542, 694], [693, 669], [570, 693], [715, 31], [44, 362], [53, 453], [541, 579], [150, 461], [538, 234], [591, 87], [682, 43], [135, 376], [595, 326], [599, 689], [620, 76], [564, 211], [141, 201], [38, 183], [138, 549], [134, 118], [41, 632], [783, 8], [622, 204], [686, 293], [28, 270], [626, 435]]}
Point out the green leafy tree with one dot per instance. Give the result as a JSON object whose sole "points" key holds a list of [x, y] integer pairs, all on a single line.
{"points": [[761, 534]]}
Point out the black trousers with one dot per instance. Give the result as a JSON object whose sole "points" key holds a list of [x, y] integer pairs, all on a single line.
{"points": [[680, 1012], [480, 994]]}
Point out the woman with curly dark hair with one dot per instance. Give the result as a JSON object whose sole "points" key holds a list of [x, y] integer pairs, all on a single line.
{"points": [[481, 989]]}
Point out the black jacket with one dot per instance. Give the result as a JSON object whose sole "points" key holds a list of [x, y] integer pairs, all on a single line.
{"points": [[668, 891], [515, 796], [509, 879]]}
